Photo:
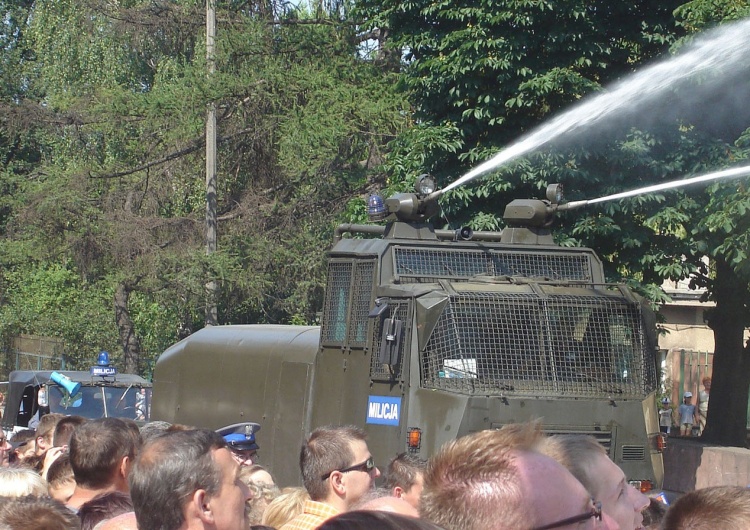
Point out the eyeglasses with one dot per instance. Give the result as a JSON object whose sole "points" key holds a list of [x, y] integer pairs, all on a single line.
{"points": [[367, 466], [596, 511], [243, 457]]}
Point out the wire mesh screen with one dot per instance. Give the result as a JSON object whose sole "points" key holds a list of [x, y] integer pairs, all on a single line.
{"points": [[571, 267], [529, 344], [422, 264], [347, 302], [361, 295], [336, 304], [378, 371]]}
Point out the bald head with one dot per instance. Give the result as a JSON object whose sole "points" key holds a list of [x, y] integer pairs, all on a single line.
{"points": [[469, 478], [552, 492], [389, 503]]}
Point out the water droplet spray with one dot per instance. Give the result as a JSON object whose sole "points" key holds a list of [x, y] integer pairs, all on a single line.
{"points": [[719, 51]]}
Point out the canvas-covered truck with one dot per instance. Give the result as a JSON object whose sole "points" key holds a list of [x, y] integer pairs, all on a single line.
{"points": [[427, 335]]}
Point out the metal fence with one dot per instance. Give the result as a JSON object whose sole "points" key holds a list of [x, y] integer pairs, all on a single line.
{"points": [[31, 352]]}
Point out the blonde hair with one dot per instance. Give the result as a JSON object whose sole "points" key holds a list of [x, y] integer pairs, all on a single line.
{"points": [[19, 482], [709, 508], [262, 493], [469, 478], [285, 507], [574, 452]]}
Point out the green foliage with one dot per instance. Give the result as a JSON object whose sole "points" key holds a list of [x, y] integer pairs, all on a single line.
{"points": [[493, 69], [701, 14], [76, 49], [102, 116], [50, 300]]}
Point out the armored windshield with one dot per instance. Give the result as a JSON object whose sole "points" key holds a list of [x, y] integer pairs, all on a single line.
{"points": [[537, 343], [102, 401]]}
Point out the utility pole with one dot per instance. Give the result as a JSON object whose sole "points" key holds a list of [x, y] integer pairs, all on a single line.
{"points": [[212, 287]]}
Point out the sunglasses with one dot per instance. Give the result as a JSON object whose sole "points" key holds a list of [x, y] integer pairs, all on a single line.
{"points": [[367, 466], [596, 511]]}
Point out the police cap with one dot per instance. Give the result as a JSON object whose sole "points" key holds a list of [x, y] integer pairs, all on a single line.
{"points": [[240, 436]]}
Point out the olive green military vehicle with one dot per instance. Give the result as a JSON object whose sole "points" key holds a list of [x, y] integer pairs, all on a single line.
{"points": [[427, 335], [33, 393]]}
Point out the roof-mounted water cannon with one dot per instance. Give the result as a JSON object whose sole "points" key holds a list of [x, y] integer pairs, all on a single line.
{"points": [[407, 207], [529, 220]]}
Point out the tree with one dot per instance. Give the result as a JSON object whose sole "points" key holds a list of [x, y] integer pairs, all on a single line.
{"points": [[493, 70], [116, 197], [722, 233], [481, 74]]}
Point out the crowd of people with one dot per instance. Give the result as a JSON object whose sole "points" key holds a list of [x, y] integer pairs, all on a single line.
{"points": [[111, 474]]}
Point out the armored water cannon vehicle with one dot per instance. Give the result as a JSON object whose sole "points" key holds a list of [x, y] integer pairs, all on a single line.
{"points": [[427, 335]]}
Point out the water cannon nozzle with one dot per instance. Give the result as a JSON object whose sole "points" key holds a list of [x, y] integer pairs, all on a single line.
{"points": [[572, 205], [464, 233], [425, 185], [555, 193]]}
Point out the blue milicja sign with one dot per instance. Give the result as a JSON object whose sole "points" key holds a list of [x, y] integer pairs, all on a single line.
{"points": [[103, 371], [384, 410]]}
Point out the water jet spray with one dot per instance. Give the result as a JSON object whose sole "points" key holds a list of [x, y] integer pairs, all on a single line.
{"points": [[716, 175], [713, 56]]}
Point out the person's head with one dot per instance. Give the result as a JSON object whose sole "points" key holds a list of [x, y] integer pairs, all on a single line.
{"points": [[101, 453], [711, 508], [258, 475], [125, 521], [285, 507], [103, 507], [381, 499], [654, 513], [24, 444], [64, 430], [587, 459], [469, 479], [5, 450], [188, 478], [262, 490], [19, 482], [368, 520], [240, 438], [707, 383], [152, 429], [665, 403], [60, 480], [337, 466], [35, 462], [45, 431], [32, 513], [404, 477], [687, 398]]}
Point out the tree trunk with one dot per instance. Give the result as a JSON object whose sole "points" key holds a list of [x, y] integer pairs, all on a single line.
{"points": [[727, 409], [131, 344]]}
